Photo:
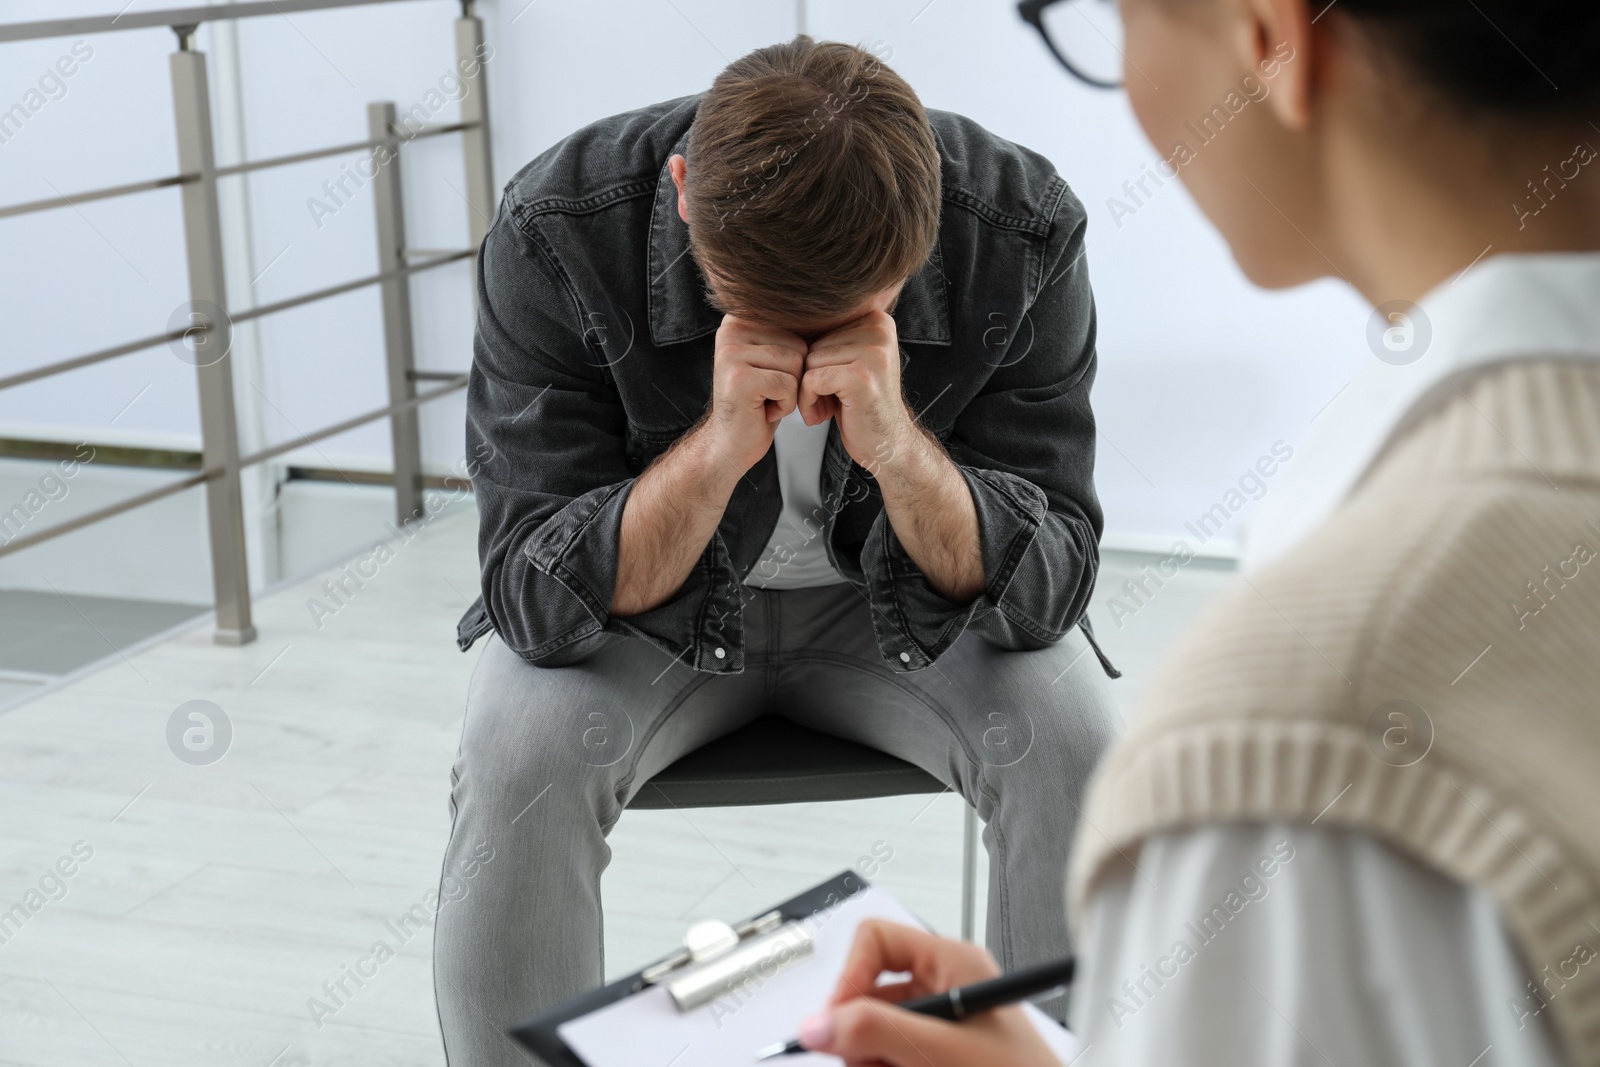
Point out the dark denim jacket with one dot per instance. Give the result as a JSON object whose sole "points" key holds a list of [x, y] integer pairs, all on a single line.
{"points": [[594, 353]]}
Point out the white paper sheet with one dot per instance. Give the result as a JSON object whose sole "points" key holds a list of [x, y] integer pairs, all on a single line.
{"points": [[647, 1030]]}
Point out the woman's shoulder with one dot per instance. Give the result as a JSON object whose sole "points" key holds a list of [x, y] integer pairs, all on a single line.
{"points": [[1446, 548]]}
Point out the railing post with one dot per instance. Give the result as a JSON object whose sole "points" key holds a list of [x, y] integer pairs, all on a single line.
{"points": [[475, 146], [389, 203], [208, 296]]}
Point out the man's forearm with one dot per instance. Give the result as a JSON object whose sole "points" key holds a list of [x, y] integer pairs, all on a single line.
{"points": [[671, 514], [931, 509]]}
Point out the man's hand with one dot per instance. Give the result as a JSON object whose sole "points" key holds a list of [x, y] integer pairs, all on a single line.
{"points": [[675, 506], [853, 375], [862, 1026], [755, 382]]}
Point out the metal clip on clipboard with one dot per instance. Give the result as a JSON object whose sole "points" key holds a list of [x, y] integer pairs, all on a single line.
{"points": [[717, 958]]}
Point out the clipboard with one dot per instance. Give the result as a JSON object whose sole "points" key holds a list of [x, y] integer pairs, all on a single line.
{"points": [[631, 1022], [539, 1033]]}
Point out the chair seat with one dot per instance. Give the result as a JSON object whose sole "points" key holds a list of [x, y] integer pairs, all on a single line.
{"points": [[773, 761]]}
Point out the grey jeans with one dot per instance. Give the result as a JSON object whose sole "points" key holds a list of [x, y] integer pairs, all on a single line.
{"points": [[550, 756]]}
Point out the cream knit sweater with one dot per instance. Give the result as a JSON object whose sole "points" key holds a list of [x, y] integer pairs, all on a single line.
{"points": [[1425, 668]]}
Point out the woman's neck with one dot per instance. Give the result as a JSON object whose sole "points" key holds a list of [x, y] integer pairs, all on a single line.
{"points": [[1413, 202]]}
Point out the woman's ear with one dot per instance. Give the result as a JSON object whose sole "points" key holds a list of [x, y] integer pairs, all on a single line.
{"points": [[1276, 42]]}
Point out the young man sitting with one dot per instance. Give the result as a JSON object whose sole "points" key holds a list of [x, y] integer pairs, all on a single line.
{"points": [[780, 403]]}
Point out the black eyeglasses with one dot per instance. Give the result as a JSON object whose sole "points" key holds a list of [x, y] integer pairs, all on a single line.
{"points": [[1085, 36]]}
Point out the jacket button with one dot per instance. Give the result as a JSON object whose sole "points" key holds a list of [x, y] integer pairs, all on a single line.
{"points": [[905, 657], [720, 653]]}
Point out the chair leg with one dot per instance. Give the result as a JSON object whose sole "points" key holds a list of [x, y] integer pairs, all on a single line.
{"points": [[969, 870]]}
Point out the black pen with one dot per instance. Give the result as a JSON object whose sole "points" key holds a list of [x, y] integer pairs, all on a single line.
{"points": [[957, 1004]]}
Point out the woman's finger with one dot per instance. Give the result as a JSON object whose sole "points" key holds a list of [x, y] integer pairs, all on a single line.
{"points": [[869, 1031], [935, 963]]}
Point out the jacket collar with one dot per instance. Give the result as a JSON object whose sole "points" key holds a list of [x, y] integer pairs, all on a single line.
{"points": [[678, 308]]}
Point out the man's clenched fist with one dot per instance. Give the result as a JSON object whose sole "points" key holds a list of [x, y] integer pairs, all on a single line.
{"points": [[755, 383], [853, 375]]}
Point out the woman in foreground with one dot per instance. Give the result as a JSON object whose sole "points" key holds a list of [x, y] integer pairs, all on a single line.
{"points": [[1356, 819]]}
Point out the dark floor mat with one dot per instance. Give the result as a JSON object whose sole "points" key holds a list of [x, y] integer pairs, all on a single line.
{"points": [[53, 633]]}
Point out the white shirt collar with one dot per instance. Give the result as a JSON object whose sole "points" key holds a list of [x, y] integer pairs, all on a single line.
{"points": [[1508, 307]]}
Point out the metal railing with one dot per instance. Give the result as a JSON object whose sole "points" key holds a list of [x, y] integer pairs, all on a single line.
{"points": [[209, 319]]}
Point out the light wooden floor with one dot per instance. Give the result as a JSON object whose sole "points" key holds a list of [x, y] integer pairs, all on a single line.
{"points": [[218, 899]]}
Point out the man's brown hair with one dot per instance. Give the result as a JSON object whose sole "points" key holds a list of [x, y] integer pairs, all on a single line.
{"points": [[813, 182]]}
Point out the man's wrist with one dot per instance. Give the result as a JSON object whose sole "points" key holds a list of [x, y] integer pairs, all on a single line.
{"points": [[680, 499], [702, 467], [929, 505], [912, 461]]}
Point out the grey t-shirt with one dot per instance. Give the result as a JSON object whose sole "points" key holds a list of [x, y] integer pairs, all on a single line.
{"points": [[795, 557]]}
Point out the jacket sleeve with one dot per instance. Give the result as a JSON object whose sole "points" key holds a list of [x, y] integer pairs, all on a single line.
{"points": [[1025, 444], [547, 437]]}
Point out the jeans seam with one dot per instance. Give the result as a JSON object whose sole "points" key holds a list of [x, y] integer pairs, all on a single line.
{"points": [[997, 864], [455, 781], [600, 913]]}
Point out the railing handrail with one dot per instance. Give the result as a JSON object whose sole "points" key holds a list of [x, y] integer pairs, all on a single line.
{"points": [[88, 518], [318, 153], [52, 203], [456, 381], [128, 347], [173, 16], [453, 380], [263, 310], [48, 370]]}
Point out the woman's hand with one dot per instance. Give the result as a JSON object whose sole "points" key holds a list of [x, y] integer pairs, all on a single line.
{"points": [[862, 1026]]}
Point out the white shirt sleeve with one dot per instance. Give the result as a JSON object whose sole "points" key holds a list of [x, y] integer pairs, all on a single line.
{"points": [[1268, 944]]}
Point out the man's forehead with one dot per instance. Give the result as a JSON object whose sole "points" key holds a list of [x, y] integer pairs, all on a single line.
{"points": [[884, 300], [828, 325]]}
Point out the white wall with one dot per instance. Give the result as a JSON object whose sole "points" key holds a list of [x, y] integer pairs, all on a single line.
{"points": [[1200, 374]]}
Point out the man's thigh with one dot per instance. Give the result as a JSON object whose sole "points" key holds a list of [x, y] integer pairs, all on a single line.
{"points": [[979, 712], [601, 727]]}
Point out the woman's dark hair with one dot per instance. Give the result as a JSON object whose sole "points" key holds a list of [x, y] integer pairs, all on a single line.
{"points": [[1516, 56]]}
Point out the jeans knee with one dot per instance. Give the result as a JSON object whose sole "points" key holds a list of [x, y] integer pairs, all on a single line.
{"points": [[1098, 726], [1053, 741], [1082, 711]]}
